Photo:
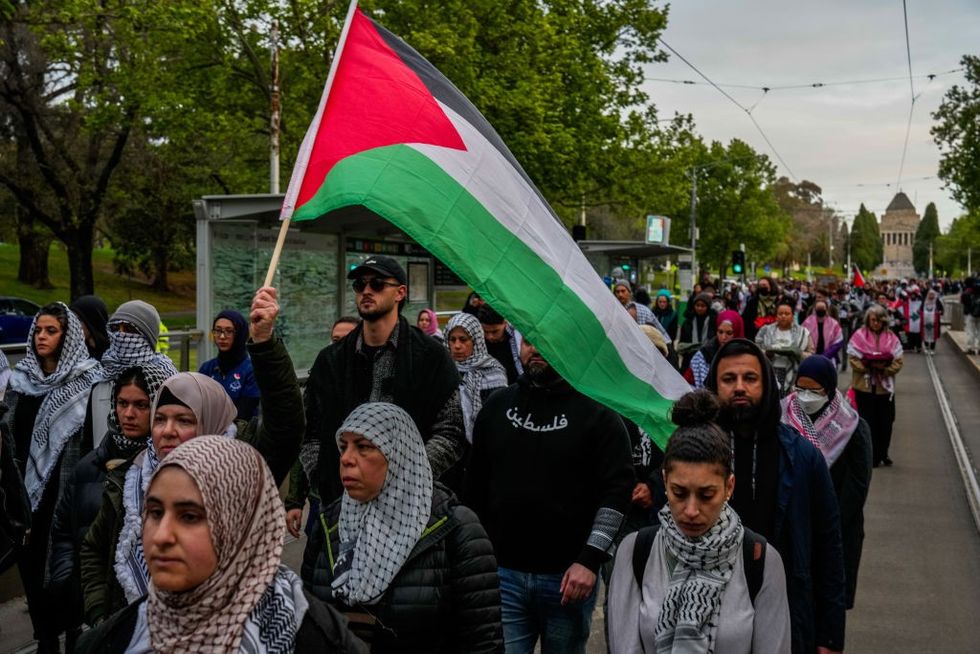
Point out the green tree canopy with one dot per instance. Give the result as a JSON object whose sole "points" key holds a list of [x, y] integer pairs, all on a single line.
{"points": [[866, 247], [959, 245], [957, 133], [925, 236]]}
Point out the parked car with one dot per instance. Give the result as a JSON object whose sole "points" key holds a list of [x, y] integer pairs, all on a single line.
{"points": [[16, 315]]}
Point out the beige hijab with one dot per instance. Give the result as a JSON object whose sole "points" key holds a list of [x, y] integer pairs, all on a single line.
{"points": [[247, 522], [205, 397]]}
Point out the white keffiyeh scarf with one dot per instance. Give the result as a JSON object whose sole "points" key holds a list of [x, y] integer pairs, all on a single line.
{"points": [[377, 537], [479, 372], [689, 615]]}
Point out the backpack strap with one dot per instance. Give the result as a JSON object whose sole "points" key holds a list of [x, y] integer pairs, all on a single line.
{"points": [[641, 552], [754, 560]]}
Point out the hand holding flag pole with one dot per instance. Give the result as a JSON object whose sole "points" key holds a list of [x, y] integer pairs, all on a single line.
{"points": [[303, 156]]}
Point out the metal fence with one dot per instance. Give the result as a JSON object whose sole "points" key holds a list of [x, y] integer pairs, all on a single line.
{"points": [[179, 348]]}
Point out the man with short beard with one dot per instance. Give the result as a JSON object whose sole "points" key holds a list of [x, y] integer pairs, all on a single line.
{"points": [[383, 359], [550, 477], [783, 491]]}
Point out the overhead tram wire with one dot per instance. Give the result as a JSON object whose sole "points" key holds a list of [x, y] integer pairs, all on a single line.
{"points": [[768, 88], [908, 126], [738, 104]]}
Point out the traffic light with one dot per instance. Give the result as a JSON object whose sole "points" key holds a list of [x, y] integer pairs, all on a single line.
{"points": [[738, 262]]}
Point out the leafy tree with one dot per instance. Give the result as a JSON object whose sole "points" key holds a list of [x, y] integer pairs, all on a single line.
{"points": [[866, 248], [809, 236], [957, 133], [953, 248], [925, 236]]}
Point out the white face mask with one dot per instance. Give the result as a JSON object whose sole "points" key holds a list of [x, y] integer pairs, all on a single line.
{"points": [[811, 401]]}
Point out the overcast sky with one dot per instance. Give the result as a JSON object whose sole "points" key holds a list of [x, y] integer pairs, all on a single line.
{"points": [[847, 139]]}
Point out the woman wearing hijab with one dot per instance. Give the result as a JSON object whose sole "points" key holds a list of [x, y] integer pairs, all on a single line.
{"points": [[411, 568], [428, 322], [875, 355], [663, 309], [48, 393], [480, 374], [696, 330], [932, 313], [818, 411], [188, 405], [687, 589], [729, 326], [232, 368], [93, 314], [128, 433], [213, 534], [786, 343], [134, 329], [826, 334]]}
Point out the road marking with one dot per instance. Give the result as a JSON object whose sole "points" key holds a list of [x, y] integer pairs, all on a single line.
{"points": [[959, 449]]}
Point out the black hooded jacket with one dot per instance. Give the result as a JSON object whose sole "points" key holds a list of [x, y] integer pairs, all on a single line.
{"points": [[784, 491]]}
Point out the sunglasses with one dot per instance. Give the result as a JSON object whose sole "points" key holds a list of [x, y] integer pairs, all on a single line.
{"points": [[377, 285]]}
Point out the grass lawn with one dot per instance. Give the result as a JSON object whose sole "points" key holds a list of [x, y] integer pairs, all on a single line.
{"points": [[176, 306]]}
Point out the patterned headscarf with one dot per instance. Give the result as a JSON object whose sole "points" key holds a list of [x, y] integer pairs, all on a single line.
{"points": [[376, 537], [62, 411], [242, 601], [127, 350], [433, 327], [478, 372], [215, 414], [704, 567]]}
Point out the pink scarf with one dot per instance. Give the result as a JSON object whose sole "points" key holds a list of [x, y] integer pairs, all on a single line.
{"points": [[831, 331], [865, 344], [833, 429]]}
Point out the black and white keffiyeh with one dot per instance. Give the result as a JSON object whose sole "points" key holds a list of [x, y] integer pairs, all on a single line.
{"points": [[155, 375], [62, 411], [689, 614], [377, 537], [127, 350], [479, 372]]}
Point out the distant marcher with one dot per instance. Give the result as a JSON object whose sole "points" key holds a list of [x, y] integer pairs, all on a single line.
{"points": [[826, 334], [213, 534], [410, 566], [786, 343], [970, 300], [698, 328], [932, 314], [232, 368], [663, 309], [760, 308], [640, 312], [428, 322], [693, 593], [480, 373], [93, 314], [729, 326], [473, 303], [875, 355], [47, 395], [503, 341], [825, 417], [911, 311]]}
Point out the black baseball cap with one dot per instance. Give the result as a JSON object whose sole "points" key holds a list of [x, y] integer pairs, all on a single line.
{"points": [[382, 265]]}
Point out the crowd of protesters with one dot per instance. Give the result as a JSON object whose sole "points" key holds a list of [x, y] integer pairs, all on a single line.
{"points": [[462, 496]]}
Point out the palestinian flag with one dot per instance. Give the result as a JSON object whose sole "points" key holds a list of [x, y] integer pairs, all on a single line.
{"points": [[392, 134], [858, 277]]}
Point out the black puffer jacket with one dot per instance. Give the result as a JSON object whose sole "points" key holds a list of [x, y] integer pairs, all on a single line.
{"points": [[79, 504], [446, 597]]}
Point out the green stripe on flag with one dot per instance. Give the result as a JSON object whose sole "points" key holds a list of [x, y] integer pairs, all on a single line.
{"points": [[412, 192]]}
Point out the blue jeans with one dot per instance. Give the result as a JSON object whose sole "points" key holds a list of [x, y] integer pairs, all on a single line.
{"points": [[531, 608]]}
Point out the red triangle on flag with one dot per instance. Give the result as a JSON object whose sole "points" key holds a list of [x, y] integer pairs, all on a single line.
{"points": [[375, 100]]}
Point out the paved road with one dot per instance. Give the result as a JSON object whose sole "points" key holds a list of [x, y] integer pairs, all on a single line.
{"points": [[919, 586]]}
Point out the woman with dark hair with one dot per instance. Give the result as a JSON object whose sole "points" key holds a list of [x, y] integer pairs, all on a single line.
{"points": [[232, 368], [93, 314], [133, 392], [729, 327], [411, 567], [760, 308], [48, 393], [699, 581], [213, 532], [786, 343]]}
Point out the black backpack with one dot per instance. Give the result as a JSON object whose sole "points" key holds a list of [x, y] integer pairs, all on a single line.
{"points": [[753, 557]]}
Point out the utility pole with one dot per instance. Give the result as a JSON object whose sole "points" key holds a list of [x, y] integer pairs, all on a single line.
{"points": [[694, 227], [275, 113]]}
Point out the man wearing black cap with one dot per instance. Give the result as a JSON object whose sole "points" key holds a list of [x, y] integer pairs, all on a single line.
{"points": [[383, 359]]}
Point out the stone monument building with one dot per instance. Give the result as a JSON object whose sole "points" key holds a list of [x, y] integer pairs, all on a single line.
{"points": [[898, 225]]}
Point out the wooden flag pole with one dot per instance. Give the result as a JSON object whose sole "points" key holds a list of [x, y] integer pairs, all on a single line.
{"points": [[305, 149], [274, 262]]}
